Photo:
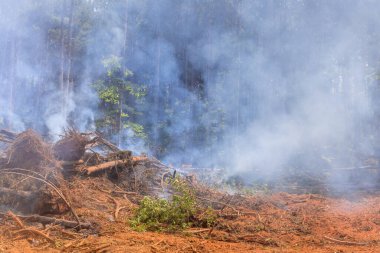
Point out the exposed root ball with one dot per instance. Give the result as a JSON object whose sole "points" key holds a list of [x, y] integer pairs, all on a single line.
{"points": [[71, 147], [29, 151]]}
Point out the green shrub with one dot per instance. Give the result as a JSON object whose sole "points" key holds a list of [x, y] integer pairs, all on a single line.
{"points": [[175, 214]]}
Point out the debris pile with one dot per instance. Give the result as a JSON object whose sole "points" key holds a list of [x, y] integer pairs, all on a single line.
{"points": [[79, 191], [29, 151], [35, 175], [71, 147]]}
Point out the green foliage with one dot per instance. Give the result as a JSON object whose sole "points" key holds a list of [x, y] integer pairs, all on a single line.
{"points": [[137, 129], [119, 96], [175, 214], [109, 95]]}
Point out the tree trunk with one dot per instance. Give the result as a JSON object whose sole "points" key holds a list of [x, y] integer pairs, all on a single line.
{"points": [[123, 57], [157, 89], [68, 86], [12, 80]]}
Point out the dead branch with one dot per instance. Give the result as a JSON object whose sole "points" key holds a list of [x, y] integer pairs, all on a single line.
{"points": [[106, 143], [116, 192], [118, 207], [104, 166], [46, 220], [197, 231], [16, 219], [221, 203], [345, 242], [55, 188], [101, 248], [112, 164], [25, 229], [34, 231], [71, 163]]}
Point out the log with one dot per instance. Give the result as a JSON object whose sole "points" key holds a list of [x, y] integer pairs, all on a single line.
{"points": [[112, 164], [104, 166]]}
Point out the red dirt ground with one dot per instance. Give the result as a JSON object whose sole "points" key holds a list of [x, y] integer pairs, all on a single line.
{"points": [[278, 222]]}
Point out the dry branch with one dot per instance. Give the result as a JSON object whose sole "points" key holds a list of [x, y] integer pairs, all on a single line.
{"points": [[41, 179], [46, 220], [106, 143], [104, 166], [345, 242], [109, 165], [16, 219], [34, 231], [197, 231], [117, 208]]}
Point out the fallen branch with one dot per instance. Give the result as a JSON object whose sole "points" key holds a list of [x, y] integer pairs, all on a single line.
{"points": [[106, 143], [16, 219], [40, 178], [34, 231], [112, 164], [46, 220], [104, 166], [25, 229], [221, 203], [197, 231], [116, 192], [117, 208], [345, 242]]}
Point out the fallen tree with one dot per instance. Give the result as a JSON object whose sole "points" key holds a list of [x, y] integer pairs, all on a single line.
{"points": [[113, 164]]}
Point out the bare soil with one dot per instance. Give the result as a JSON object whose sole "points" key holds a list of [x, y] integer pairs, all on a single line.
{"points": [[278, 222]]}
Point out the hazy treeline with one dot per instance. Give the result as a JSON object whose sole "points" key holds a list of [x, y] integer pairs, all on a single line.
{"points": [[249, 84]]}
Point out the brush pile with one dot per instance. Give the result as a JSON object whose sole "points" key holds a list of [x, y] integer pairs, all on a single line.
{"points": [[35, 175], [26, 168], [36, 178], [78, 192], [71, 147], [29, 151]]}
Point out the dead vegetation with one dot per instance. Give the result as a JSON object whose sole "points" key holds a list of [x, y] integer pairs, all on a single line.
{"points": [[75, 193]]}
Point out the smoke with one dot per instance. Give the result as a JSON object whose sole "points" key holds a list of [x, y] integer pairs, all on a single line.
{"points": [[30, 96], [256, 86], [310, 84]]}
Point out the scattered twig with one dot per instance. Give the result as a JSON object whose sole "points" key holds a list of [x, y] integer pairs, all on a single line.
{"points": [[16, 219], [48, 220], [221, 203], [15, 171], [345, 242], [34, 231], [197, 231], [116, 192], [99, 249], [117, 207]]}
